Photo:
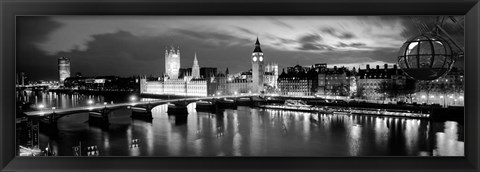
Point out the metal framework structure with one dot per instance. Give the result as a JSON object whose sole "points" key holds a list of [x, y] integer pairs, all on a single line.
{"points": [[430, 54]]}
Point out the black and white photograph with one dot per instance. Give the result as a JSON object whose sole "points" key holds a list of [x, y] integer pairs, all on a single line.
{"points": [[262, 86]]}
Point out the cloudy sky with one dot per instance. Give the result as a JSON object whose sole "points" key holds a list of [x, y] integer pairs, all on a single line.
{"points": [[135, 45]]}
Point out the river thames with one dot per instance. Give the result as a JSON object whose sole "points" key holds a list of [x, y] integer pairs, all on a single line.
{"points": [[245, 131]]}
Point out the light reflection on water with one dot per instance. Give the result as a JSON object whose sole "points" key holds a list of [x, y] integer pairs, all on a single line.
{"points": [[255, 132], [447, 141]]}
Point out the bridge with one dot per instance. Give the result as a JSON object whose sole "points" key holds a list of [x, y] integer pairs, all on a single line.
{"points": [[140, 109], [32, 86]]}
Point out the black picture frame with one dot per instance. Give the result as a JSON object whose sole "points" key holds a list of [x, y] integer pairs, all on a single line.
{"points": [[10, 8]]}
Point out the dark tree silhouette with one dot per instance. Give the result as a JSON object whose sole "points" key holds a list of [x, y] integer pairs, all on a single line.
{"points": [[408, 89], [389, 88], [360, 92]]}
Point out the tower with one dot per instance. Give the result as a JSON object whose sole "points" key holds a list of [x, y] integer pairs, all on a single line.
{"points": [[272, 69], [172, 62], [257, 68], [63, 69], [195, 68]]}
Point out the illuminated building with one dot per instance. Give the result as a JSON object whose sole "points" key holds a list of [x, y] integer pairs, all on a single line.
{"points": [[197, 87], [335, 81], [370, 80], [175, 87], [172, 63], [232, 84], [100, 83], [257, 68], [447, 91], [221, 83], [238, 86], [252, 81], [271, 75], [150, 87], [321, 69], [189, 82], [198, 81], [298, 82], [63, 69]]}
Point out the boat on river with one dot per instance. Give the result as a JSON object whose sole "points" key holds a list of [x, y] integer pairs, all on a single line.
{"points": [[298, 105]]}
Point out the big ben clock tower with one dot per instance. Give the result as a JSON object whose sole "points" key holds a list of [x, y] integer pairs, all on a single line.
{"points": [[257, 68]]}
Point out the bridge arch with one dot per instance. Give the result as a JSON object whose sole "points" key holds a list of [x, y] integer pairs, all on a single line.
{"points": [[103, 111]]}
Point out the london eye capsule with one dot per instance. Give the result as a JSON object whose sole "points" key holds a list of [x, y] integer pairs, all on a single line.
{"points": [[427, 56]]}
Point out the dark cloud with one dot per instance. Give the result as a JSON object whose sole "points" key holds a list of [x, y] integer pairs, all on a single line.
{"points": [[122, 53], [302, 57], [388, 55], [309, 38], [36, 63], [218, 38], [42, 27], [287, 41], [355, 44], [315, 46], [312, 42], [338, 34]]}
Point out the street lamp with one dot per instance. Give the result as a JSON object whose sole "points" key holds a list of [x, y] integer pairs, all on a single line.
{"points": [[41, 106], [90, 102], [133, 98], [53, 109]]}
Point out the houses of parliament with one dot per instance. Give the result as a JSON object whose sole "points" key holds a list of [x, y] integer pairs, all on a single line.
{"points": [[207, 81]]}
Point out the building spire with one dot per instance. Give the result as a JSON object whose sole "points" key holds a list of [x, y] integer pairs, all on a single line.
{"points": [[195, 68], [257, 46], [195, 61]]}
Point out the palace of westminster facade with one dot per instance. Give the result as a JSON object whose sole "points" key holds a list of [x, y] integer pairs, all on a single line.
{"points": [[207, 81]]}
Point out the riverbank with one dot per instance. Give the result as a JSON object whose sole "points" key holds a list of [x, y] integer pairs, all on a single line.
{"points": [[95, 92]]}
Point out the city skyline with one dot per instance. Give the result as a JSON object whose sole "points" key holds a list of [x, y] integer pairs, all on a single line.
{"points": [[240, 86], [121, 42]]}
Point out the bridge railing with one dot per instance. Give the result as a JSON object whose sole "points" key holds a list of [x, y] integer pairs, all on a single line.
{"points": [[47, 112]]}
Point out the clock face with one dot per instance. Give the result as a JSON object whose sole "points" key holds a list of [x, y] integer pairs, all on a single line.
{"points": [[261, 58], [254, 58]]}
